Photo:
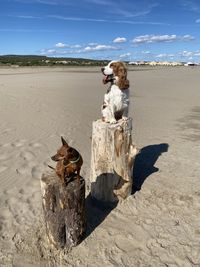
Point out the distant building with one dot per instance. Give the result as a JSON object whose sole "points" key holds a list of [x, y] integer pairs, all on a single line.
{"points": [[189, 64], [133, 63], [156, 63]]}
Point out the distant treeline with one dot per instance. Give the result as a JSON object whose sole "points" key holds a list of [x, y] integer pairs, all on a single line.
{"points": [[32, 60]]}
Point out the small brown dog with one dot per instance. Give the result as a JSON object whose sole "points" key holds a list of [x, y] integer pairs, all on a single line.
{"points": [[69, 161]]}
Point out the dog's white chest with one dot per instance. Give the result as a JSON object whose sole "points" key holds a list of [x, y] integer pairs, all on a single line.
{"points": [[119, 97]]}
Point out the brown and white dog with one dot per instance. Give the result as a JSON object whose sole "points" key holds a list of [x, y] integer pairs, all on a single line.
{"points": [[116, 100]]}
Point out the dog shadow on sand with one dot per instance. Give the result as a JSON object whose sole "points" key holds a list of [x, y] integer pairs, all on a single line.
{"points": [[97, 211], [144, 164]]}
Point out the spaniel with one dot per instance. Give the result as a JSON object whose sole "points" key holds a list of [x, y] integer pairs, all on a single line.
{"points": [[116, 100]]}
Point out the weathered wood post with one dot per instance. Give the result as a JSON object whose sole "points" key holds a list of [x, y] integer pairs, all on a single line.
{"points": [[112, 160], [64, 209]]}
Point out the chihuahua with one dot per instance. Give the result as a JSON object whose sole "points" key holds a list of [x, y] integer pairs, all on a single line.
{"points": [[69, 161]]}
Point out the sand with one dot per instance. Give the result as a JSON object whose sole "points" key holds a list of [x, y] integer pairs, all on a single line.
{"points": [[159, 224]]}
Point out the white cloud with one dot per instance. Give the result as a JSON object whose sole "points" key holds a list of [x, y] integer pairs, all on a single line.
{"points": [[186, 37], [153, 38], [75, 46], [26, 17], [164, 55], [77, 49], [186, 54], [119, 40], [58, 17], [75, 18], [131, 13], [190, 53], [126, 55], [140, 22], [197, 21], [54, 52], [99, 47], [126, 10], [160, 38], [51, 51], [146, 52], [48, 52], [191, 5], [60, 45], [92, 44]]}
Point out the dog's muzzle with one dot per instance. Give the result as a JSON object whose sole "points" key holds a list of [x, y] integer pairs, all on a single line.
{"points": [[108, 74], [107, 78]]}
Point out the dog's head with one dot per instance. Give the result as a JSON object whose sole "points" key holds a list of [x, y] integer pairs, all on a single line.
{"points": [[116, 72], [65, 152]]}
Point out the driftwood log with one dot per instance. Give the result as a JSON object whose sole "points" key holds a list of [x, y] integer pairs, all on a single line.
{"points": [[112, 160], [64, 210]]}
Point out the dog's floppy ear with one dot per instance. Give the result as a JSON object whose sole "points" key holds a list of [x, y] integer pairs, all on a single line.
{"points": [[123, 83], [64, 142]]}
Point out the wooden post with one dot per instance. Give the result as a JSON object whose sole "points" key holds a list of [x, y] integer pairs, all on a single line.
{"points": [[112, 160], [64, 209]]}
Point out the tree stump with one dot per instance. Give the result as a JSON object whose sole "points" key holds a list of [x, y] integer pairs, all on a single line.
{"points": [[112, 160], [64, 209]]}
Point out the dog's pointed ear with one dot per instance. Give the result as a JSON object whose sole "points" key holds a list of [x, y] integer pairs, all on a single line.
{"points": [[64, 142]]}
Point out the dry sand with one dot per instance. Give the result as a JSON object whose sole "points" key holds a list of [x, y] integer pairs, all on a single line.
{"points": [[158, 225]]}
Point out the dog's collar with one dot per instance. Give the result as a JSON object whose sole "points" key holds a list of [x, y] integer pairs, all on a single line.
{"points": [[74, 161]]}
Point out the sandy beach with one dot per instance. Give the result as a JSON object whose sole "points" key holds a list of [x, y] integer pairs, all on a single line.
{"points": [[157, 225]]}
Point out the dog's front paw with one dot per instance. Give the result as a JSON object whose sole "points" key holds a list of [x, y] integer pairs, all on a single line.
{"points": [[124, 118], [112, 121], [104, 119]]}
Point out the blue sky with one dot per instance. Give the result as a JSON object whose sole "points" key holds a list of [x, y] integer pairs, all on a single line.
{"points": [[102, 29]]}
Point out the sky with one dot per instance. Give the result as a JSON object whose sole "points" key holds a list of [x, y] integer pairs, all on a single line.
{"points": [[131, 30]]}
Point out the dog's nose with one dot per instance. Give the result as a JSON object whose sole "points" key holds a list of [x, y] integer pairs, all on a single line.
{"points": [[102, 69], [54, 158]]}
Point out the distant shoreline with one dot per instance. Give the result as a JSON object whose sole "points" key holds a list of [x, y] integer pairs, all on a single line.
{"points": [[79, 69]]}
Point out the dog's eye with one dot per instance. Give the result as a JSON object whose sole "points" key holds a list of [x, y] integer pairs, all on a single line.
{"points": [[60, 153]]}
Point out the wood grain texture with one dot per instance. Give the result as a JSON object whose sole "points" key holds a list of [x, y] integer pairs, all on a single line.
{"points": [[64, 210], [112, 158]]}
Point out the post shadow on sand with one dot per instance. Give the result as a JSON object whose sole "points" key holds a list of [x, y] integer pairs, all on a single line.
{"points": [[144, 163], [96, 212]]}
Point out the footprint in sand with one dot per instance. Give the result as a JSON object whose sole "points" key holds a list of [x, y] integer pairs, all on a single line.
{"points": [[19, 143], [5, 213], [27, 155], [4, 156], [23, 169], [35, 145], [6, 145], [3, 168], [6, 130], [36, 172]]}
